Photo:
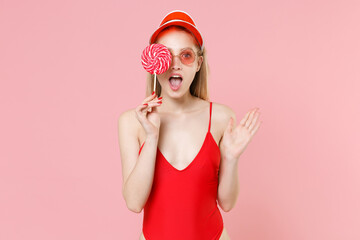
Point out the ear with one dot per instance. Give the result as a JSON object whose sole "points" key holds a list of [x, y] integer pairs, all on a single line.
{"points": [[200, 60]]}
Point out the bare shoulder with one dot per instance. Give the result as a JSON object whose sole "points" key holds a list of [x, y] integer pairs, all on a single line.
{"points": [[128, 114], [223, 113], [127, 121]]}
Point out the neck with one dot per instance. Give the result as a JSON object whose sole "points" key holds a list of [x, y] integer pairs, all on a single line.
{"points": [[177, 105]]}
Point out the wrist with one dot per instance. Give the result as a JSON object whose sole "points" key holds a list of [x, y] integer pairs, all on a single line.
{"points": [[152, 136], [229, 160]]}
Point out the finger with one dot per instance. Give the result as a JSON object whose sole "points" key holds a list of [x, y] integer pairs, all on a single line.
{"points": [[141, 111], [153, 104], [256, 128], [249, 120], [149, 98], [254, 121], [230, 125], [242, 122], [141, 107], [155, 100]]}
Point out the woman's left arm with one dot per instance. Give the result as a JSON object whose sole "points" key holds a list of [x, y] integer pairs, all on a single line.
{"points": [[232, 145]]}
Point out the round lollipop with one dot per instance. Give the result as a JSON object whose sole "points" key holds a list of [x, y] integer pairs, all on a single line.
{"points": [[156, 59]]}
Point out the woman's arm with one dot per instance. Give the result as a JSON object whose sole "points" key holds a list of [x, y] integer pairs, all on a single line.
{"points": [[228, 189], [137, 170], [233, 143]]}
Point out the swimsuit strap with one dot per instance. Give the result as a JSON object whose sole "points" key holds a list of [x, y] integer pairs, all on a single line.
{"points": [[210, 117]]}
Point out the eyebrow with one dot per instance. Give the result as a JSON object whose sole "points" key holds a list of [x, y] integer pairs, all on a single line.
{"points": [[182, 48]]}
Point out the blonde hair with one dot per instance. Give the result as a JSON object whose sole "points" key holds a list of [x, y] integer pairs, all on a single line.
{"points": [[199, 86]]}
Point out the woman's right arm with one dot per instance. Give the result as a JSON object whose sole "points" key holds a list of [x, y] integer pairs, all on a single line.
{"points": [[138, 170]]}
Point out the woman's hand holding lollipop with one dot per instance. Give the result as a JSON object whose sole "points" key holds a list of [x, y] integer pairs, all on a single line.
{"points": [[156, 59], [149, 120]]}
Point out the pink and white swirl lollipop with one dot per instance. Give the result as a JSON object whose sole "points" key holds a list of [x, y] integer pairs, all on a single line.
{"points": [[156, 59]]}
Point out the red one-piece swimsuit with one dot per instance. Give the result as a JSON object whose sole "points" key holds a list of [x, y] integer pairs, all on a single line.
{"points": [[182, 203]]}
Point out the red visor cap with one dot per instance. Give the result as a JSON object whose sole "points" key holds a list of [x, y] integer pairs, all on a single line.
{"points": [[179, 18]]}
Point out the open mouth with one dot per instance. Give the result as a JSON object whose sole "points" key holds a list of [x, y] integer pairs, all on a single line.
{"points": [[175, 82]]}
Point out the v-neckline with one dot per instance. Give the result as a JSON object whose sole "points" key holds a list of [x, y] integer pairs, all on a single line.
{"points": [[194, 159]]}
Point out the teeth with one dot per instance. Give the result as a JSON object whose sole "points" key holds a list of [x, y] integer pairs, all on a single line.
{"points": [[176, 77]]}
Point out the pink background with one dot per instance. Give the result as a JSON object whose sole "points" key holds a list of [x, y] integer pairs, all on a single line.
{"points": [[69, 68]]}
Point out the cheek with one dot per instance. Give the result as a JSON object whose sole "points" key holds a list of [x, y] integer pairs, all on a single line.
{"points": [[162, 79]]}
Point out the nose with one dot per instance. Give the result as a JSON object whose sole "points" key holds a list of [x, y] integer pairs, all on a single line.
{"points": [[175, 63]]}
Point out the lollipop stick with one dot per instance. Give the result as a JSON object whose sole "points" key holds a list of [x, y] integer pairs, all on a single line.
{"points": [[154, 82]]}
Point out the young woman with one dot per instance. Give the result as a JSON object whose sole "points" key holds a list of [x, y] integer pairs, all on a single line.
{"points": [[180, 151]]}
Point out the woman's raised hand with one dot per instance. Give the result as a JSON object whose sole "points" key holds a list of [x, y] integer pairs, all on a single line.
{"points": [[235, 140], [147, 114]]}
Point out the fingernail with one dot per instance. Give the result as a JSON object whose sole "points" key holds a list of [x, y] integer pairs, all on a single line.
{"points": [[160, 98], [145, 104], [153, 93], [160, 102]]}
